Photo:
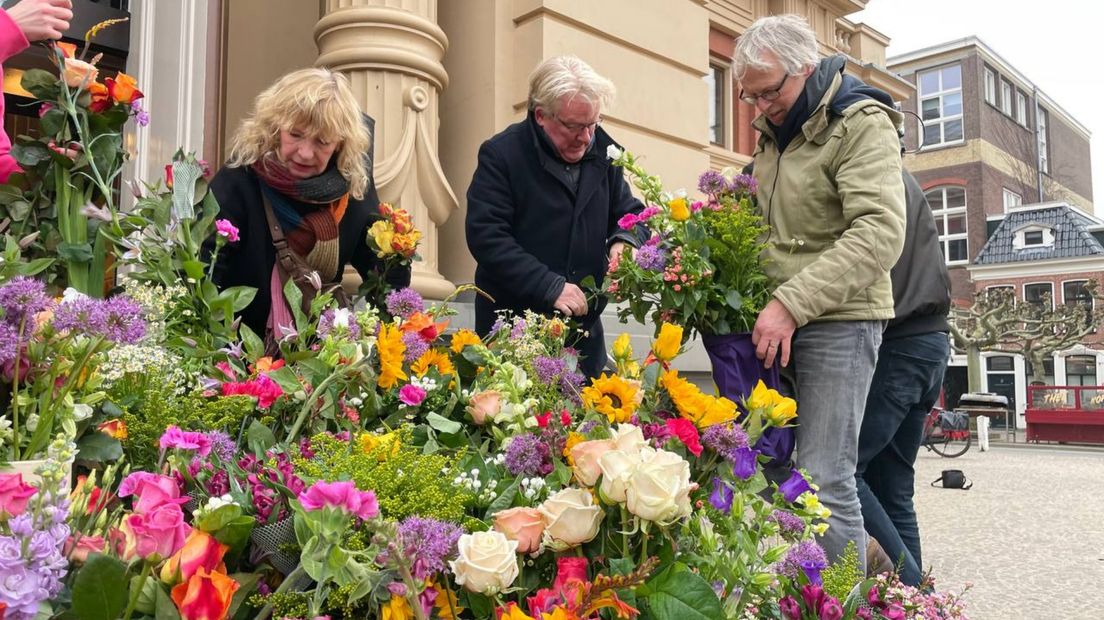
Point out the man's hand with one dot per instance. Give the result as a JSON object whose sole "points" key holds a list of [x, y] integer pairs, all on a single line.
{"points": [[773, 330], [571, 301], [615, 252], [42, 19]]}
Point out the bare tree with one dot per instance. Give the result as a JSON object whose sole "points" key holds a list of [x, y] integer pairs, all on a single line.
{"points": [[1018, 148]]}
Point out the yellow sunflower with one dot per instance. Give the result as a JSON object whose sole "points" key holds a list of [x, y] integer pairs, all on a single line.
{"points": [[446, 602], [612, 396], [463, 338], [391, 350], [397, 609], [433, 358], [573, 438]]}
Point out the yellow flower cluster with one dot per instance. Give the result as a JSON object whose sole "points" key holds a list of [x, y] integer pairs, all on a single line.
{"points": [[433, 358], [776, 409], [613, 397], [694, 405], [391, 350], [395, 233], [463, 338]]}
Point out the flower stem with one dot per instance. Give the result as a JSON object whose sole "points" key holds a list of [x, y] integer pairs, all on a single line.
{"points": [[137, 591]]}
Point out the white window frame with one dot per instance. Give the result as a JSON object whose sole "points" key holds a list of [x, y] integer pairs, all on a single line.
{"points": [[1042, 122], [990, 86], [944, 213], [1092, 302], [941, 120], [725, 111], [1021, 108], [1011, 199], [1048, 283], [1006, 96], [1019, 241]]}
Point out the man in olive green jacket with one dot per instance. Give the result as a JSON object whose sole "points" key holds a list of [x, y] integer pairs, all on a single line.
{"points": [[829, 171]]}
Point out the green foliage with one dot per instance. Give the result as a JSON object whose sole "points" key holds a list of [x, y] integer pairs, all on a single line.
{"points": [[734, 249], [284, 604], [842, 576]]}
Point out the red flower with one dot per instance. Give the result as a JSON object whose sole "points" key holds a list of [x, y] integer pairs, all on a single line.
{"points": [[687, 433], [544, 419]]}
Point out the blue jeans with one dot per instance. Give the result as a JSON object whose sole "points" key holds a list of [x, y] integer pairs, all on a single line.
{"points": [[906, 385], [833, 363]]}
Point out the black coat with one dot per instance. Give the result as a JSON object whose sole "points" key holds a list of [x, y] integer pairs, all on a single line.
{"points": [[249, 262], [530, 230]]}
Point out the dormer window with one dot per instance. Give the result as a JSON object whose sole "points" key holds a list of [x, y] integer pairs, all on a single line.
{"points": [[1033, 236]]}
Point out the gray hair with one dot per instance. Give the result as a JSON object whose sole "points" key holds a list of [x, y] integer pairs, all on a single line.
{"points": [[787, 37], [567, 75]]}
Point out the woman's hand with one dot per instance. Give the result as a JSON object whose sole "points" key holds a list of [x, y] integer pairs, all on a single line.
{"points": [[42, 19]]}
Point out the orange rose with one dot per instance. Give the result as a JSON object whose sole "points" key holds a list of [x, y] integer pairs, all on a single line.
{"points": [[423, 324], [79, 74], [485, 404], [525, 525], [586, 455], [200, 550], [78, 550], [101, 100], [115, 428], [206, 596], [123, 89]]}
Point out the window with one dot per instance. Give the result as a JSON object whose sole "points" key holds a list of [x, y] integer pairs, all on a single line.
{"points": [[1044, 156], [1021, 108], [1076, 292], [718, 103], [1011, 199], [941, 105], [1033, 237], [990, 86], [948, 205], [1006, 98], [1040, 294], [1081, 370]]}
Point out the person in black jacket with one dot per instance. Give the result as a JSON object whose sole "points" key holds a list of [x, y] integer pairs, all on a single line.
{"points": [[544, 203], [307, 148], [907, 380]]}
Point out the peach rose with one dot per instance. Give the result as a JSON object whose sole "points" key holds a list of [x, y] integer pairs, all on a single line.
{"points": [[586, 455], [79, 74], [571, 518], [78, 550], [525, 525], [485, 404]]}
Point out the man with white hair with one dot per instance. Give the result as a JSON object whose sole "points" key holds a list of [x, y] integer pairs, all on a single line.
{"points": [[829, 172], [544, 203]]}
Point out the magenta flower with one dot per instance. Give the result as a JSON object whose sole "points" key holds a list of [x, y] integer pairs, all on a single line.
{"points": [[152, 490], [628, 221], [14, 494], [228, 230], [790, 608], [177, 439], [830, 609], [412, 395], [156, 534], [342, 495]]}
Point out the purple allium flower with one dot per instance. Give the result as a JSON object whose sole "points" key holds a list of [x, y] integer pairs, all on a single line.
{"points": [[82, 315], [571, 385], [123, 320], [587, 426], [744, 183], [222, 444], [429, 543], [711, 182], [806, 556], [745, 464], [404, 302], [332, 318], [790, 524], [722, 496], [793, 488], [651, 258], [548, 369], [725, 440], [527, 455], [21, 298], [9, 343], [415, 346]]}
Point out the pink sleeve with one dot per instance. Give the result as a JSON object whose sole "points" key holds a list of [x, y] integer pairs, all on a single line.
{"points": [[12, 41]]}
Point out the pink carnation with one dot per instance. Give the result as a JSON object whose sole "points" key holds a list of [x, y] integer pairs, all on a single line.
{"points": [[263, 388], [228, 230], [178, 439], [412, 395], [628, 221], [343, 495], [687, 433]]}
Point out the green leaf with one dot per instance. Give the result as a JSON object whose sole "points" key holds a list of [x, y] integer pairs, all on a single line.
{"points": [[248, 583], [503, 501], [678, 593], [75, 252], [254, 346], [240, 296], [52, 122], [100, 588], [259, 438], [734, 299], [165, 608], [42, 84], [193, 268], [99, 447], [29, 155], [443, 424]]}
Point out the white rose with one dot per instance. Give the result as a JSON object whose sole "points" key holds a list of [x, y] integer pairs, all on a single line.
{"points": [[617, 467], [659, 488], [487, 562], [571, 518], [628, 438], [613, 152]]}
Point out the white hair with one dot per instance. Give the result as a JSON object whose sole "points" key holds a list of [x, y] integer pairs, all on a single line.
{"points": [[567, 75], [787, 37]]}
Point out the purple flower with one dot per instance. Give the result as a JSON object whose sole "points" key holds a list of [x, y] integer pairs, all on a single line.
{"points": [[806, 556], [226, 229], [548, 369], [82, 315], [527, 455], [722, 496], [651, 258], [404, 302], [9, 343], [571, 384], [429, 543], [177, 439], [123, 320], [744, 184], [415, 346], [793, 488], [790, 608], [790, 524], [21, 298], [725, 440], [497, 326], [31, 563], [517, 330], [222, 444], [711, 182], [745, 464], [340, 318]]}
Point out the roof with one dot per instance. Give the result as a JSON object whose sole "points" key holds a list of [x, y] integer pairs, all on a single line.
{"points": [[1072, 235]]}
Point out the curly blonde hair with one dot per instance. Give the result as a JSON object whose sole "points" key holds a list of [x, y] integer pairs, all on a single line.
{"points": [[319, 102]]}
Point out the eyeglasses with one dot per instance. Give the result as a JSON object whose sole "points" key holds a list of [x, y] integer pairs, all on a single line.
{"points": [[769, 95], [578, 128]]}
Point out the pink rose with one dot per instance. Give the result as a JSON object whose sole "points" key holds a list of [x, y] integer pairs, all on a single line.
{"points": [[525, 525], [157, 534], [586, 455], [228, 230], [343, 495], [485, 404], [78, 550], [152, 490], [412, 395], [14, 494]]}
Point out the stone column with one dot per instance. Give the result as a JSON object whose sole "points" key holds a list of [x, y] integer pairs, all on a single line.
{"points": [[392, 51]]}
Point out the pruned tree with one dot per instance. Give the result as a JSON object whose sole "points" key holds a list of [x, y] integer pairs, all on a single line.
{"points": [[1034, 330]]}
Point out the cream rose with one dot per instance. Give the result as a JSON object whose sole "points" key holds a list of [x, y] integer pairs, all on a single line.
{"points": [[617, 467], [659, 488], [522, 524], [485, 404], [628, 438], [487, 563], [586, 455], [571, 518], [79, 74]]}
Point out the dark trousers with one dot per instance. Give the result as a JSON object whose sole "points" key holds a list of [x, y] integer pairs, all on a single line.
{"points": [[906, 385]]}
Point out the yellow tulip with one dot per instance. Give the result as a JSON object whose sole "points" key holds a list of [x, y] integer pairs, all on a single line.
{"points": [[680, 210], [666, 346], [622, 348]]}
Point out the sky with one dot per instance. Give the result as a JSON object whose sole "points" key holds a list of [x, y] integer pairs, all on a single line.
{"points": [[1057, 44]]}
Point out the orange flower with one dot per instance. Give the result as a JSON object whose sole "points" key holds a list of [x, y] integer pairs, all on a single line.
{"points": [[200, 550], [101, 100], [115, 428], [391, 350], [68, 50], [206, 596], [124, 89], [423, 324], [266, 365]]}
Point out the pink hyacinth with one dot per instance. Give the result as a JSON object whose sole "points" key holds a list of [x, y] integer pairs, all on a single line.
{"points": [[228, 230], [412, 395], [343, 495]]}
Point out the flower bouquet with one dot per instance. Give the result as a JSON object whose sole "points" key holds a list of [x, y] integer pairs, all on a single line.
{"points": [[394, 239]]}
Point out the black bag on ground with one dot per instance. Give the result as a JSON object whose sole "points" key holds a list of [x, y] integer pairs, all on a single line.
{"points": [[953, 479]]}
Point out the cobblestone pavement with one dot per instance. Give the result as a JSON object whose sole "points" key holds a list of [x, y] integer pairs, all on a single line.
{"points": [[1029, 535]]}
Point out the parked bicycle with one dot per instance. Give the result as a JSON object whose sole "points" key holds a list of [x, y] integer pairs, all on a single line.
{"points": [[947, 432]]}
